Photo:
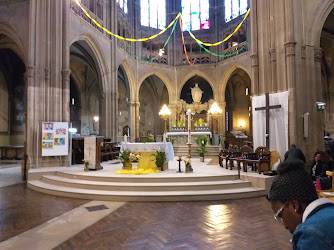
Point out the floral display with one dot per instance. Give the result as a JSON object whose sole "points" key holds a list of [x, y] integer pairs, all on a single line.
{"points": [[134, 157], [86, 162], [189, 169]]}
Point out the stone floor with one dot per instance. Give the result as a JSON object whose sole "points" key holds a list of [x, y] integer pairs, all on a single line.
{"points": [[32, 220]]}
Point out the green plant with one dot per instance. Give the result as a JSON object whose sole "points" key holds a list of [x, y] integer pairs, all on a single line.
{"points": [[124, 156], [172, 140], [201, 141], [149, 139], [160, 158]]}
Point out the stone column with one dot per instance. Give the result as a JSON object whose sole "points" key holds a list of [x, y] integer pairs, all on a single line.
{"points": [[137, 105], [222, 131], [132, 120], [254, 48]]}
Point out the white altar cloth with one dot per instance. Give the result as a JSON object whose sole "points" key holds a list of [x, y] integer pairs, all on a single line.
{"points": [[150, 147], [191, 133]]}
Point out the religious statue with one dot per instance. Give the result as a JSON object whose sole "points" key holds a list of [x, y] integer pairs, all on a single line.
{"points": [[196, 93]]}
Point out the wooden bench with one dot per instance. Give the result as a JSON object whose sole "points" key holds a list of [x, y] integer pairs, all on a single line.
{"points": [[260, 163], [109, 151]]}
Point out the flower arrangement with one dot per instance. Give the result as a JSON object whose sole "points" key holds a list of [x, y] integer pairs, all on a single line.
{"points": [[189, 169], [86, 162], [178, 124], [135, 157]]}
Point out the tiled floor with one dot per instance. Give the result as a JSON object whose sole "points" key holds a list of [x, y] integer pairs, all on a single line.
{"points": [[64, 223]]}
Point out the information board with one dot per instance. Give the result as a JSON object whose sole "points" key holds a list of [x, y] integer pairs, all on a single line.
{"points": [[54, 138]]}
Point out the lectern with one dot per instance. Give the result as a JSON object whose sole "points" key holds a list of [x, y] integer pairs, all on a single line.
{"points": [[92, 152]]}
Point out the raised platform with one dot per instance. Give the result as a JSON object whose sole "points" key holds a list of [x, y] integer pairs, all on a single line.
{"points": [[207, 182]]}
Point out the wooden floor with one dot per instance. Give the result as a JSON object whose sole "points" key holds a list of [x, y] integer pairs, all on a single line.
{"points": [[229, 224]]}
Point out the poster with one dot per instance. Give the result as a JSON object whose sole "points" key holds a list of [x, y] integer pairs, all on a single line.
{"points": [[54, 138]]}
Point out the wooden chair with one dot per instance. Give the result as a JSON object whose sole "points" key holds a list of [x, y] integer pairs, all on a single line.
{"points": [[259, 161], [274, 157], [322, 194]]}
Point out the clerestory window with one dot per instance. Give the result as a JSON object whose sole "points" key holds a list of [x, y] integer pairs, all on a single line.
{"points": [[123, 4], [235, 8], [195, 14], [153, 13]]}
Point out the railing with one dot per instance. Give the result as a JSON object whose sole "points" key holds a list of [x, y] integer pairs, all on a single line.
{"points": [[77, 10]]}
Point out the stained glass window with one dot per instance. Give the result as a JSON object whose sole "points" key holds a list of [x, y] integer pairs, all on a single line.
{"points": [[123, 4], [235, 8], [195, 14], [153, 13]]}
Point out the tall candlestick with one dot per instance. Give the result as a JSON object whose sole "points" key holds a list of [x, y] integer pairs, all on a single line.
{"points": [[189, 125]]}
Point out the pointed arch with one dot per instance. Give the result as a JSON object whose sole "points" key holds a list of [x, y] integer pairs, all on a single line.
{"points": [[17, 47], [129, 73], [317, 18], [99, 56], [227, 75], [163, 78], [192, 74]]}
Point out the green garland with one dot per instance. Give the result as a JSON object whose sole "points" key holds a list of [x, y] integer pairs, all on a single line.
{"points": [[229, 55]]}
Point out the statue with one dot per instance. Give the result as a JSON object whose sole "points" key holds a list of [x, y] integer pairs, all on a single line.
{"points": [[196, 93]]}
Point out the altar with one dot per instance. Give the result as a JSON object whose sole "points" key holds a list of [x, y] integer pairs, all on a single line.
{"points": [[151, 147], [146, 151], [181, 138]]}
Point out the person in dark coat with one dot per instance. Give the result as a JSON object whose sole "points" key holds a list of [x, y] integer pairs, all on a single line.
{"points": [[321, 163], [294, 153]]}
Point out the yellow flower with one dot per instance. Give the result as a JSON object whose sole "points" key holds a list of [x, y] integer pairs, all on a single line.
{"points": [[86, 161]]}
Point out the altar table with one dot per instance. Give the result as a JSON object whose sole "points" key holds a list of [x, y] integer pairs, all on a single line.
{"points": [[181, 138], [150, 147]]}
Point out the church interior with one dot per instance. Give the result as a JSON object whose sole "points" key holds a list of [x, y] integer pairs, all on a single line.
{"points": [[93, 92]]}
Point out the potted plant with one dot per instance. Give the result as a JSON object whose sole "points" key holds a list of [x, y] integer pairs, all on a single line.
{"points": [[161, 160], [124, 157], [86, 162], [201, 141]]}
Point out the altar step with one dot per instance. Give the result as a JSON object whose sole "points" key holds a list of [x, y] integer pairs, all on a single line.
{"points": [[183, 150], [134, 188]]}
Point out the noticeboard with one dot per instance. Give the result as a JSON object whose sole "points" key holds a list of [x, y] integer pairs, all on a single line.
{"points": [[54, 138]]}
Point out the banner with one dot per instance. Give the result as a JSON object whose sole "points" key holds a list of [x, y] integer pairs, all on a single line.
{"points": [[54, 138]]}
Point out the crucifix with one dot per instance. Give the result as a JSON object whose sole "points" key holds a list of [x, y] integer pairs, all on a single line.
{"points": [[267, 108]]}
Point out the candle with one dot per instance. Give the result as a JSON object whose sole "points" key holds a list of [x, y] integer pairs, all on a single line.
{"points": [[189, 125], [125, 138]]}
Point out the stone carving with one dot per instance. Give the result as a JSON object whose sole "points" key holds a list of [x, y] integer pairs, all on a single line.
{"points": [[196, 93]]}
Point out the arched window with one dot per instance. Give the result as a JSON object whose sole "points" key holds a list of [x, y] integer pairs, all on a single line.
{"points": [[153, 13], [195, 14], [235, 8], [123, 4]]}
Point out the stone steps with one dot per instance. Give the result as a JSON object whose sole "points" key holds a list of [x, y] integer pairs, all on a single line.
{"points": [[139, 188]]}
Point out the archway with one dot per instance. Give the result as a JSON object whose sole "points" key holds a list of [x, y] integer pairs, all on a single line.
{"points": [[124, 112], [238, 104], [12, 98], [86, 88], [153, 94], [327, 70]]}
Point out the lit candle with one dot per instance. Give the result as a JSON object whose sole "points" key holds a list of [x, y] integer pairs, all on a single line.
{"points": [[189, 125]]}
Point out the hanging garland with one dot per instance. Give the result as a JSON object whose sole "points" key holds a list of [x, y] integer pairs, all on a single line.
{"points": [[123, 38], [228, 37], [152, 59], [229, 55]]}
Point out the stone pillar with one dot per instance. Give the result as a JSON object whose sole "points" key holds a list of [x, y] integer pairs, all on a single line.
{"points": [[133, 121], [319, 120], [254, 48], [137, 119], [222, 130]]}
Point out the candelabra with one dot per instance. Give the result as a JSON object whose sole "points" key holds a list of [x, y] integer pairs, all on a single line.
{"points": [[215, 112], [164, 114]]}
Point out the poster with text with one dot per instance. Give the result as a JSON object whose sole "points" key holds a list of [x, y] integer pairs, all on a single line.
{"points": [[54, 138]]}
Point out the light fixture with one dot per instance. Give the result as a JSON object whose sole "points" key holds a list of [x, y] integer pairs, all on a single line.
{"points": [[246, 91], [164, 114], [72, 130], [215, 112], [96, 118], [161, 51], [241, 123]]}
